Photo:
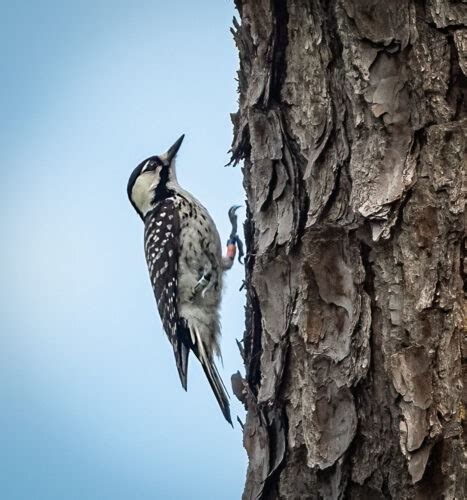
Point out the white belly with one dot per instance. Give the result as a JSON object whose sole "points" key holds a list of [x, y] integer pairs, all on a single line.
{"points": [[200, 254]]}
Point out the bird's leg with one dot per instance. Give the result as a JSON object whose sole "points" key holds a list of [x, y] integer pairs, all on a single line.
{"points": [[203, 284], [207, 287], [233, 242]]}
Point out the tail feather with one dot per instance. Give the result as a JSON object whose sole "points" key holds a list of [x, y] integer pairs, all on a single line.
{"points": [[181, 352], [214, 379], [190, 339], [217, 386]]}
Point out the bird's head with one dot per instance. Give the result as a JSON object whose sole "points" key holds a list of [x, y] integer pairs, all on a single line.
{"points": [[152, 180]]}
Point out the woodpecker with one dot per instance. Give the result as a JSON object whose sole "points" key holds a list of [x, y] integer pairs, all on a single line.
{"points": [[184, 257]]}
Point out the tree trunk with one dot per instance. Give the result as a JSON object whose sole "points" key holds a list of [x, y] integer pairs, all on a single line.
{"points": [[352, 125]]}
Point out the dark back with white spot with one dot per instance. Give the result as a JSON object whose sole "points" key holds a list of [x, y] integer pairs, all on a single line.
{"points": [[161, 240]]}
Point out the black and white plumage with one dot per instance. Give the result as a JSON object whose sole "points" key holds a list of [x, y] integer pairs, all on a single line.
{"points": [[185, 262]]}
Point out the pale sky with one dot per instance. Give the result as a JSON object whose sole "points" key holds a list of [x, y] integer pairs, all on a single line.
{"points": [[91, 403]]}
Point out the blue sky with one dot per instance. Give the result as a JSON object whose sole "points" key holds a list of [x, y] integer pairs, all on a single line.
{"points": [[92, 407]]}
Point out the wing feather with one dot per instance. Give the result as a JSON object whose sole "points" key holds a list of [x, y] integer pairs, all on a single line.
{"points": [[161, 237]]}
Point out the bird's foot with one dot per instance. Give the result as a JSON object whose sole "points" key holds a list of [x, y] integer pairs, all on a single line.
{"points": [[234, 240], [202, 285]]}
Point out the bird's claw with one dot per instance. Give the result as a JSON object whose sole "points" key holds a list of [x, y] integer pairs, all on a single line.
{"points": [[233, 219], [234, 239], [202, 284]]}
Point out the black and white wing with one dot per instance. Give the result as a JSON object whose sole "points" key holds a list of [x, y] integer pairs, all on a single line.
{"points": [[161, 238]]}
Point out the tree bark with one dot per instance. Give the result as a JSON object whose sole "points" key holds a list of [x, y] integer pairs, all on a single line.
{"points": [[352, 127]]}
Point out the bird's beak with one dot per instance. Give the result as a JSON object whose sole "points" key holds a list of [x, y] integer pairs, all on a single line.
{"points": [[174, 149]]}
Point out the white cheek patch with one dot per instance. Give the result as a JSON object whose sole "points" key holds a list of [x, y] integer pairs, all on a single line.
{"points": [[143, 190], [155, 179]]}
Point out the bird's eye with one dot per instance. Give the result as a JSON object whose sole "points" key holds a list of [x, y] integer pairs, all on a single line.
{"points": [[150, 165]]}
